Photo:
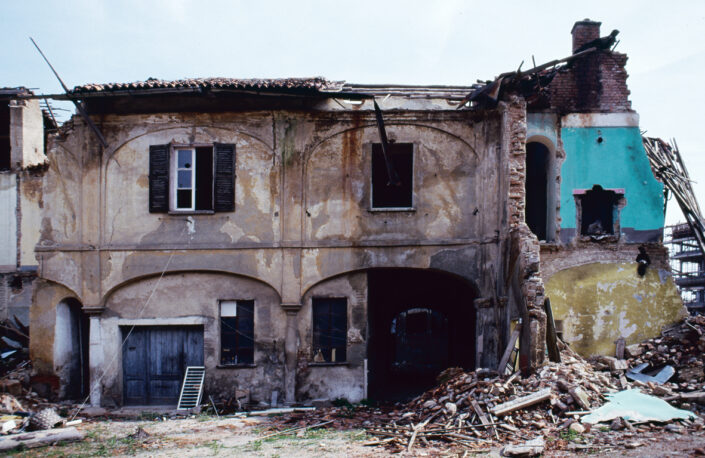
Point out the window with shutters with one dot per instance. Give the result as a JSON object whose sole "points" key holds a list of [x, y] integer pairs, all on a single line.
{"points": [[185, 178], [237, 332], [330, 329]]}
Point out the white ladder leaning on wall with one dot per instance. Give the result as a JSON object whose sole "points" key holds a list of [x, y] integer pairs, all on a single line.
{"points": [[192, 389]]}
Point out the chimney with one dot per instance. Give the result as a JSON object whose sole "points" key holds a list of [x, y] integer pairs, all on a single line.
{"points": [[585, 31]]}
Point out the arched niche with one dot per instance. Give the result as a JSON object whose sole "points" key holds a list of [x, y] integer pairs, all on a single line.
{"points": [[71, 346]]}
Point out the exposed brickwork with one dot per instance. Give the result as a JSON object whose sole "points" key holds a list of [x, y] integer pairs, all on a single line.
{"points": [[596, 82], [525, 245], [555, 258], [584, 32]]}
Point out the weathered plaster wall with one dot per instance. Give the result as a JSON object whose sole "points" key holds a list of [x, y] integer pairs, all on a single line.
{"points": [[8, 221], [302, 216], [26, 133], [331, 381], [30, 202], [618, 161], [601, 302], [193, 298]]}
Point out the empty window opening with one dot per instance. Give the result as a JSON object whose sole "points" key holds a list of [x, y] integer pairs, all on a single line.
{"points": [[537, 162], [237, 332], [330, 329], [193, 178], [5, 161], [385, 194], [598, 211]]}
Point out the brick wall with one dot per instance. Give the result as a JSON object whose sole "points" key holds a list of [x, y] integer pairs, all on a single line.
{"points": [[596, 82]]}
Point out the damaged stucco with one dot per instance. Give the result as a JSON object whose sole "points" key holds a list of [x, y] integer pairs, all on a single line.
{"points": [[596, 304], [302, 227]]}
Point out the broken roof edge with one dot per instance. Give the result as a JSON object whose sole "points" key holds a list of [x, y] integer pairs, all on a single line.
{"points": [[15, 91], [302, 87]]}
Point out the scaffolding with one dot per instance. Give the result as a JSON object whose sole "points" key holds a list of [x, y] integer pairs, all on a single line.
{"points": [[687, 265]]}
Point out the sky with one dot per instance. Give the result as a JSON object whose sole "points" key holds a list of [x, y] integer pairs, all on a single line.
{"points": [[403, 42]]}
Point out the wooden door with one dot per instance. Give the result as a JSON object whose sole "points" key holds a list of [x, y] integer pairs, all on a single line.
{"points": [[155, 359]]}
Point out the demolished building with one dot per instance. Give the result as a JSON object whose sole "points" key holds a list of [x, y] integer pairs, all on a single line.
{"points": [[23, 128], [267, 230]]}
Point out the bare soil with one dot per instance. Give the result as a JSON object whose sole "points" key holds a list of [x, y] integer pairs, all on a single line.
{"points": [[269, 436]]}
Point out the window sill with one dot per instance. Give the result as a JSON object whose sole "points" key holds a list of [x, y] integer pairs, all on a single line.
{"points": [[341, 363], [392, 209], [236, 366], [191, 212], [606, 238]]}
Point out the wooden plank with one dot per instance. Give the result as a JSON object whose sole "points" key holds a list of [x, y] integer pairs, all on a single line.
{"points": [[554, 355], [40, 438], [520, 403], [502, 367]]}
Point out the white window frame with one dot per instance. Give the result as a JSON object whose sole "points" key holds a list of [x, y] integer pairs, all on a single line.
{"points": [[174, 178]]}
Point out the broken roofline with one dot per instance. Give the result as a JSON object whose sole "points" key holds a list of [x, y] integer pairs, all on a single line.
{"points": [[348, 91]]}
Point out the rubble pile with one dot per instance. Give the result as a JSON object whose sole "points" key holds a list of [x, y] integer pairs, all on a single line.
{"points": [[475, 408], [14, 345], [681, 347]]}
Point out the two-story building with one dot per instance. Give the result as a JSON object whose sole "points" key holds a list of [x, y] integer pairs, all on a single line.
{"points": [[266, 230]]}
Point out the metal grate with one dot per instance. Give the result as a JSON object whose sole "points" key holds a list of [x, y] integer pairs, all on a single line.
{"points": [[192, 389]]}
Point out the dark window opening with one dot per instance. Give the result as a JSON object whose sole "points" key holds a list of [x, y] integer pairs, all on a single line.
{"points": [[330, 329], [5, 160], [237, 332], [204, 178], [537, 160], [385, 194], [598, 209]]}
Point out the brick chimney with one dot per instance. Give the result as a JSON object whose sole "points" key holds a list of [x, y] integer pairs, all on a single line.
{"points": [[585, 31]]}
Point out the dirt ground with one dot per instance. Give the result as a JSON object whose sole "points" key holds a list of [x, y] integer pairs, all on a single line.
{"points": [[203, 435]]}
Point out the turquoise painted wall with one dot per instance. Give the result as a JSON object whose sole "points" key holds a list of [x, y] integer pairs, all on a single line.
{"points": [[618, 162], [543, 124]]}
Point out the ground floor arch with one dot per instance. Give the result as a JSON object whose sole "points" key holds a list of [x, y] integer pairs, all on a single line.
{"points": [[419, 322], [71, 346]]}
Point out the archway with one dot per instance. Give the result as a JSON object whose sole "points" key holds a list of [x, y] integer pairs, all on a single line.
{"points": [[420, 322], [537, 173], [71, 349]]}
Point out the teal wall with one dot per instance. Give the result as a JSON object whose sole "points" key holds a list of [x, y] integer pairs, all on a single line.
{"points": [[618, 162], [543, 124]]}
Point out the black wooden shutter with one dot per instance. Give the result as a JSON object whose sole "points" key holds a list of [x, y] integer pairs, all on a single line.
{"points": [[158, 178], [224, 182]]}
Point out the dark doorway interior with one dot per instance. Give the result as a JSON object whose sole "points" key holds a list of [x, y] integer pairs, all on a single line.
{"points": [[537, 160], [155, 360], [420, 323], [78, 373]]}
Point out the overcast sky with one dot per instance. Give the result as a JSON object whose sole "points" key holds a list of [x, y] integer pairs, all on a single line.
{"points": [[412, 42]]}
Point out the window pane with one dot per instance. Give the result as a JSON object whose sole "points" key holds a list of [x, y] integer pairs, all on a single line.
{"points": [[184, 179], [185, 160], [330, 328], [183, 198]]}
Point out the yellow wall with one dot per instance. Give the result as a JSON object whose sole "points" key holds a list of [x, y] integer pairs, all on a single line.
{"points": [[600, 303]]}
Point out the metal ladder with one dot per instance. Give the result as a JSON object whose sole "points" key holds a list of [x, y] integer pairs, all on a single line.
{"points": [[192, 389]]}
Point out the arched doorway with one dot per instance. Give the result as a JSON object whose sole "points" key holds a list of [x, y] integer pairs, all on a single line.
{"points": [[420, 323], [537, 173], [71, 349]]}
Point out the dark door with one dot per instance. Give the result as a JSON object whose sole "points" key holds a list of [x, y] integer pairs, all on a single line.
{"points": [[155, 359]]}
